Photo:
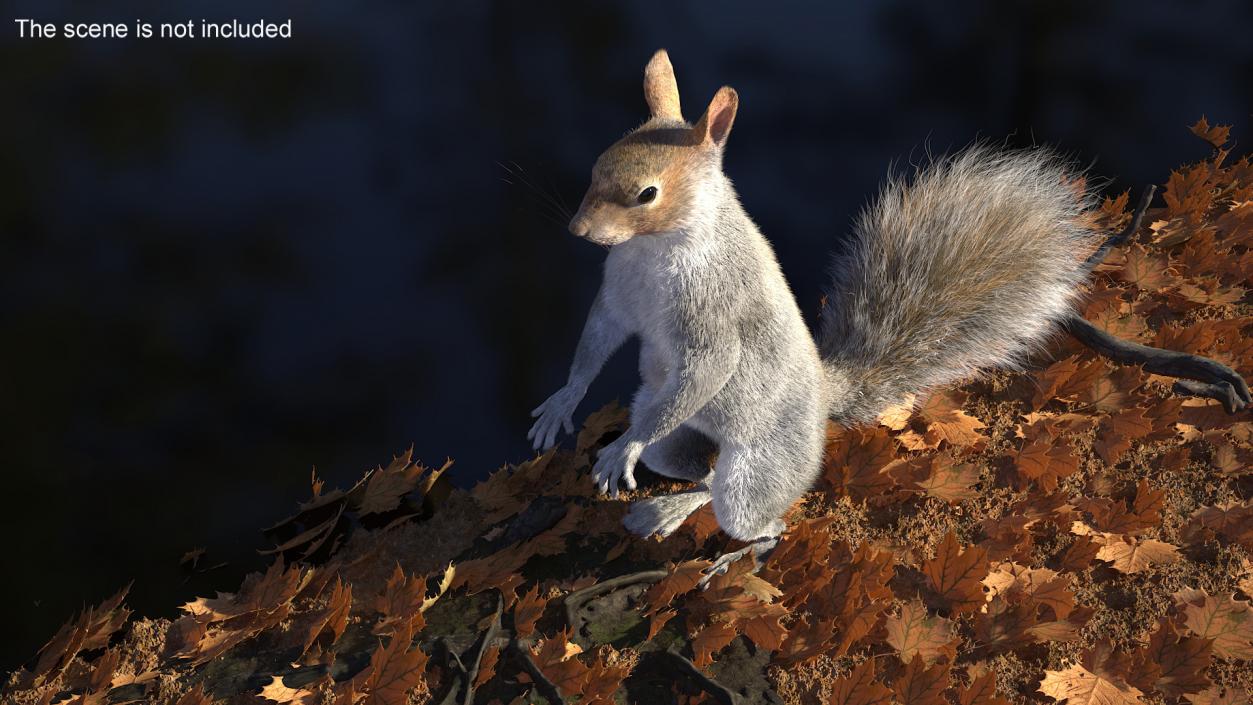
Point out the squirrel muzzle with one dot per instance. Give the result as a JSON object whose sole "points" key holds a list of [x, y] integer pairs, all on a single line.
{"points": [[598, 223], [579, 225]]}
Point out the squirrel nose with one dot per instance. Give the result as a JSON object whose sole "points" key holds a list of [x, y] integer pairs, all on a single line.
{"points": [[579, 226]]}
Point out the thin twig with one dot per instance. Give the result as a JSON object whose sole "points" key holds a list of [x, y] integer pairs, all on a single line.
{"points": [[1219, 381], [488, 636], [1138, 216], [724, 694], [547, 688]]}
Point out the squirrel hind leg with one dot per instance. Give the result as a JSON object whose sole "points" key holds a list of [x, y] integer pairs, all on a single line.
{"points": [[754, 484], [1203, 377], [684, 454]]}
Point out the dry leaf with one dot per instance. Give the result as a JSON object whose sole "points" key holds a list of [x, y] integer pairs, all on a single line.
{"points": [[855, 459], [861, 688], [1046, 463], [951, 483], [1078, 686], [610, 418], [1228, 621], [711, 640], [527, 611], [280, 693], [395, 669], [1117, 431], [914, 631], [947, 423], [1179, 662], [920, 684], [1146, 271], [954, 575], [1133, 555], [1217, 135], [982, 689]]}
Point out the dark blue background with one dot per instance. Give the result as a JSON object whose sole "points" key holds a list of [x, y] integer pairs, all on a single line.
{"points": [[224, 262]]}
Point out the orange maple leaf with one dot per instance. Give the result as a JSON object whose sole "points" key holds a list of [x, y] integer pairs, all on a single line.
{"points": [[859, 687], [527, 611], [955, 575], [920, 684], [915, 632]]}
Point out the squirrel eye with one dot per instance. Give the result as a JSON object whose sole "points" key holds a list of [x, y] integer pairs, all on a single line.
{"points": [[648, 194]]}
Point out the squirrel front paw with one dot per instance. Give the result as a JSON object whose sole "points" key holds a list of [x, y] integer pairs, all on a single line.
{"points": [[554, 414], [615, 462]]}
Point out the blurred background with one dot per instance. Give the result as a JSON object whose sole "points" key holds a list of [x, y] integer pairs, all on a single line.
{"points": [[223, 263]]}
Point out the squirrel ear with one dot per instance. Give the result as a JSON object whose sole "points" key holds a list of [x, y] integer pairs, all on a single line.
{"points": [[660, 89], [715, 124]]}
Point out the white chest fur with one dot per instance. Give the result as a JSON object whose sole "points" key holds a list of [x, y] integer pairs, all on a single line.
{"points": [[641, 283]]}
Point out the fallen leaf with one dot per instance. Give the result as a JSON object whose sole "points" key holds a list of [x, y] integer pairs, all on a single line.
{"points": [[280, 693], [710, 640], [1145, 512], [766, 631], [951, 483], [915, 632], [556, 659], [1049, 379], [954, 575], [682, 579], [855, 459], [334, 617], [1179, 661], [394, 670], [1117, 431], [1229, 622], [1219, 696], [1005, 626], [92, 629], [195, 696], [1217, 135], [610, 418], [1046, 463], [860, 688], [920, 684], [1146, 271], [527, 611], [896, 417], [982, 690], [1133, 555], [1078, 686], [947, 422]]}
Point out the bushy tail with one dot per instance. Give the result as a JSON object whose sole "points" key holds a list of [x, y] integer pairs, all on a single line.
{"points": [[967, 265]]}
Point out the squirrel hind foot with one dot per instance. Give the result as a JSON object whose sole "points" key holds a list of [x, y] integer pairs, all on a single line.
{"points": [[761, 550], [663, 514]]}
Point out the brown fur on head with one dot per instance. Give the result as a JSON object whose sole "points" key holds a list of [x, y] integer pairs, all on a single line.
{"points": [[648, 182]]}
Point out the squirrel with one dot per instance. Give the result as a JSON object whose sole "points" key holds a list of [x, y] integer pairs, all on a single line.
{"points": [[969, 265]]}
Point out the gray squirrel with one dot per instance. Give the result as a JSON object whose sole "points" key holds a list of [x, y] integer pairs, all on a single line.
{"points": [[969, 265]]}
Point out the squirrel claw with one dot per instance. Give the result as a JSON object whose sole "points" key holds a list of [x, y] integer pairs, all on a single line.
{"points": [[761, 549]]}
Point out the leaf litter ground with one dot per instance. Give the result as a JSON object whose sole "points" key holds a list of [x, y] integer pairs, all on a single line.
{"points": [[1073, 534]]}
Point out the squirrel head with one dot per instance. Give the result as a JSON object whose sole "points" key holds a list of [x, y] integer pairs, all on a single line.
{"points": [[652, 180]]}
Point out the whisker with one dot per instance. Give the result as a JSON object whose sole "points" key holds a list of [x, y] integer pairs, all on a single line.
{"points": [[519, 172], [547, 210], [557, 192]]}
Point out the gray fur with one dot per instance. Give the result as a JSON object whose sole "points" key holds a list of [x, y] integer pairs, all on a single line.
{"points": [[968, 266], [724, 353], [964, 268]]}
